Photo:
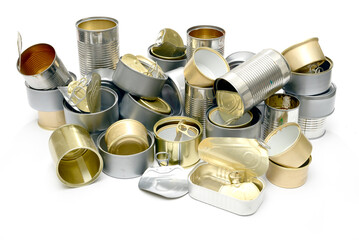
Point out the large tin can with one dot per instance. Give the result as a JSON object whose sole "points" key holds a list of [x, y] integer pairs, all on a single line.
{"points": [[98, 43]]}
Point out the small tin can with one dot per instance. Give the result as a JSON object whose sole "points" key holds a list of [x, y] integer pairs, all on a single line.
{"points": [[99, 121], [279, 109], [311, 83], [286, 177], [75, 154], [167, 64], [98, 43], [205, 36], [126, 166], [237, 58], [253, 130], [42, 68], [303, 54], [182, 147]]}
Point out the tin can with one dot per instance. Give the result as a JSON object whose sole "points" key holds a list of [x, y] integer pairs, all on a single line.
{"points": [[311, 83], [253, 130], [205, 36], [237, 58], [42, 68], [184, 150], [126, 166], [99, 121], [75, 155], [288, 177], [312, 128], [256, 79], [279, 109], [178, 80], [167, 64], [98, 43]]}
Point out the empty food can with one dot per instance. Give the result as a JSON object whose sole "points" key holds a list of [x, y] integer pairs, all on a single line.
{"points": [[176, 76], [237, 58], [75, 154], [279, 109], [42, 68], [180, 144], [167, 64], [257, 78], [205, 36], [98, 43]]}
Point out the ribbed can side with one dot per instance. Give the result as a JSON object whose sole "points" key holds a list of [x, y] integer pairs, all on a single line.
{"points": [[312, 128]]}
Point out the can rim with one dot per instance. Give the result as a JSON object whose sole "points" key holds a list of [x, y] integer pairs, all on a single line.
{"points": [[189, 30], [96, 18], [315, 39]]}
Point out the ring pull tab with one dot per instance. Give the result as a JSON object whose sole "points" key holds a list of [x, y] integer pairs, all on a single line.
{"points": [[162, 158], [186, 129]]}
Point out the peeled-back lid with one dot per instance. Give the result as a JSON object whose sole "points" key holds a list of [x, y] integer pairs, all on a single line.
{"points": [[235, 154]]}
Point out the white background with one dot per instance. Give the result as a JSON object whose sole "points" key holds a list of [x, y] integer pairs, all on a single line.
{"points": [[35, 205]]}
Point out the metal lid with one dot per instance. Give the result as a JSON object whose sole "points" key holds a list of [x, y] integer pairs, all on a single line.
{"points": [[157, 105], [235, 154], [230, 104], [237, 58], [215, 117]]}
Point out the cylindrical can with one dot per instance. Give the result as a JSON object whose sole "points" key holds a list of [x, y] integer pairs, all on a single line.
{"points": [[182, 151], [75, 154], [137, 83], [279, 109], [98, 43], [126, 166], [197, 101], [42, 68], [205, 36], [251, 131], [167, 64], [312, 128], [177, 77], [99, 121], [256, 79], [237, 58], [288, 177], [311, 83], [51, 120]]}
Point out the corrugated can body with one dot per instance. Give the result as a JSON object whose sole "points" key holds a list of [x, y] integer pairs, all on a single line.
{"points": [[312, 128], [98, 43], [256, 79]]}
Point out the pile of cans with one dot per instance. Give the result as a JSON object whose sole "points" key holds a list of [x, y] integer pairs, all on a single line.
{"points": [[185, 106]]}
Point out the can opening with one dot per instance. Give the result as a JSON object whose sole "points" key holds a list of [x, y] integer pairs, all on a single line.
{"points": [[283, 139], [206, 33], [36, 59], [97, 24], [282, 101], [210, 64]]}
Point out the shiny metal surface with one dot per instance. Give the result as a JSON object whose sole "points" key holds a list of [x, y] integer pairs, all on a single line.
{"points": [[251, 131], [197, 101], [311, 83], [157, 105], [98, 43], [51, 120], [205, 182], [279, 109], [42, 68], [288, 177], [256, 79], [136, 83], [75, 155], [215, 116], [96, 122], [205, 36], [167, 64], [126, 166], [312, 128], [237, 58], [44, 100], [178, 82]]}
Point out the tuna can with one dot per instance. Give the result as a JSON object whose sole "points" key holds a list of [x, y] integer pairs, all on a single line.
{"points": [[237, 58], [311, 83], [126, 166], [182, 146], [167, 64], [279, 109], [42, 68], [75, 154], [197, 101], [205, 36], [98, 43], [256, 79], [253, 130], [99, 121]]}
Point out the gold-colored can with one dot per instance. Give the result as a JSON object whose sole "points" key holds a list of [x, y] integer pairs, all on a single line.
{"points": [[75, 154], [158, 105], [51, 120], [179, 137], [303, 54], [288, 177]]}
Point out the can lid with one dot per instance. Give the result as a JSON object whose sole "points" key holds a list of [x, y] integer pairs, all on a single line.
{"points": [[215, 116], [230, 104], [158, 105], [235, 154]]}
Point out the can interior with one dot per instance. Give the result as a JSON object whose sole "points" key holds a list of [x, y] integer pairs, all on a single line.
{"points": [[283, 139], [36, 59], [172, 97], [206, 33], [79, 166], [213, 178], [282, 101], [167, 131], [210, 64], [97, 24]]}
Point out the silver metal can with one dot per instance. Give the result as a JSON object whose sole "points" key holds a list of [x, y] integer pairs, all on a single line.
{"points": [[256, 79], [98, 43], [237, 58], [167, 64], [177, 77], [205, 36]]}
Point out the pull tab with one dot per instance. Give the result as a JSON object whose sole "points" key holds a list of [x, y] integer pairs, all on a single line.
{"points": [[19, 49], [186, 129], [162, 158], [240, 176]]}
